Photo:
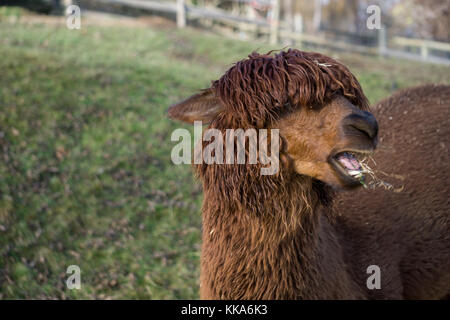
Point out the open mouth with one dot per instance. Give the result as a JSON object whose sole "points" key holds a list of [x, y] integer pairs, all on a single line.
{"points": [[349, 165]]}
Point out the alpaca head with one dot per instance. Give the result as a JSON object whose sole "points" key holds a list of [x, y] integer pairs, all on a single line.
{"points": [[316, 103], [328, 142]]}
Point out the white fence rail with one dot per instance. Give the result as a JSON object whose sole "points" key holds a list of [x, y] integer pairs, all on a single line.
{"points": [[424, 45]]}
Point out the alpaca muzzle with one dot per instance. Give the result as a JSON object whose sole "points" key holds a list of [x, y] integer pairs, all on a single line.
{"points": [[362, 123]]}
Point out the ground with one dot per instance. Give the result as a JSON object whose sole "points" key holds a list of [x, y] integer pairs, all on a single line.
{"points": [[85, 172]]}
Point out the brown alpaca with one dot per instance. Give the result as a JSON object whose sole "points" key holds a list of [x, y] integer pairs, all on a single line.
{"points": [[408, 233], [278, 236]]}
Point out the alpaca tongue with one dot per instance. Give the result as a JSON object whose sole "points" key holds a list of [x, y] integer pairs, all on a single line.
{"points": [[349, 161]]}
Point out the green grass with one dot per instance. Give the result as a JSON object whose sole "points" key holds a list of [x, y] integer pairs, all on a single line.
{"points": [[85, 170]]}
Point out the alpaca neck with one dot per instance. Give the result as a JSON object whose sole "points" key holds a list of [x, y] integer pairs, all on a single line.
{"points": [[263, 251]]}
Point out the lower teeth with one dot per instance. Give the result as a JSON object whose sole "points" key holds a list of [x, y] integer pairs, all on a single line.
{"points": [[355, 173]]}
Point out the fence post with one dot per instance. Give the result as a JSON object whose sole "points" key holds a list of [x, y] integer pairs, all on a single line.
{"points": [[424, 51], [382, 40], [298, 27], [317, 17], [289, 20], [63, 4], [274, 22], [181, 14], [67, 3]]}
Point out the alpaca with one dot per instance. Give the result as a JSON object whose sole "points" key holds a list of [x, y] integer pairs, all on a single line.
{"points": [[280, 236], [414, 223]]}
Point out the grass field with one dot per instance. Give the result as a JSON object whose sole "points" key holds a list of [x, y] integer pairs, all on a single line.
{"points": [[85, 170]]}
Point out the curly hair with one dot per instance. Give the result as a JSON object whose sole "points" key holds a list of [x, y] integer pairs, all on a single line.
{"points": [[256, 90]]}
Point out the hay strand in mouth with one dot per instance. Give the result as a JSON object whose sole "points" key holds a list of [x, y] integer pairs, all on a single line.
{"points": [[376, 181]]}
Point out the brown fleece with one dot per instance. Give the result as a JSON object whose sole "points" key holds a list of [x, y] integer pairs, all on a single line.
{"points": [[407, 233]]}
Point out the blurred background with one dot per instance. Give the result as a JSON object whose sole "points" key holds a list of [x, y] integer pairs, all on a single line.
{"points": [[85, 172]]}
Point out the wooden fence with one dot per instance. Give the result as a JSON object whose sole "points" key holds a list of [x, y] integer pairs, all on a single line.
{"points": [[293, 32], [424, 45]]}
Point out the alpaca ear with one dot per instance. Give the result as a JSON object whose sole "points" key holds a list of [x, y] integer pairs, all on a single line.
{"points": [[203, 107]]}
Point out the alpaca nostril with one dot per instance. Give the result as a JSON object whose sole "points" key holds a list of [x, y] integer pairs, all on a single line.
{"points": [[363, 122]]}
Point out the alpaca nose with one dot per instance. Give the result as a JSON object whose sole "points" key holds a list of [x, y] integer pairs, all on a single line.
{"points": [[362, 121]]}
